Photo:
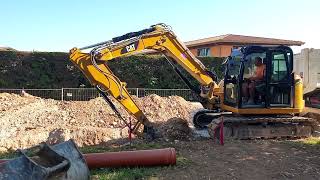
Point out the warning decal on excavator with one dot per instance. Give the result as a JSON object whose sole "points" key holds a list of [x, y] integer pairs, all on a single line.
{"points": [[130, 47]]}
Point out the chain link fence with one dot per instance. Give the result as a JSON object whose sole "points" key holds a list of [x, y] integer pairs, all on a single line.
{"points": [[85, 94]]}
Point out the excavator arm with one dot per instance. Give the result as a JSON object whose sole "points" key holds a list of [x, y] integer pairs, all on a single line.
{"points": [[159, 38]]}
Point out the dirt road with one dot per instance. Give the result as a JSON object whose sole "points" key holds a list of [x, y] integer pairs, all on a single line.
{"points": [[259, 159]]}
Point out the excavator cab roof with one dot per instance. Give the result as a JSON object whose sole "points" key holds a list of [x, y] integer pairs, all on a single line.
{"points": [[242, 52]]}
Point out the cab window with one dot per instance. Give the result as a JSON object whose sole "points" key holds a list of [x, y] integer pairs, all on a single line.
{"points": [[231, 80], [249, 64], [279, 67]]}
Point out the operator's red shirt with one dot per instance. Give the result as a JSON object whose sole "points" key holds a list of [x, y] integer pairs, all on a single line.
{"points": [[260, 70]]}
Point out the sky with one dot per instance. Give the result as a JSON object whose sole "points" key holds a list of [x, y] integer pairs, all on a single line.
{"points": [[60, 25]]}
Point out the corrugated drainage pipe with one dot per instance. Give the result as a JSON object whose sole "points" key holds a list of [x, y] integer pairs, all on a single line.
{"points": [[154, 157]]}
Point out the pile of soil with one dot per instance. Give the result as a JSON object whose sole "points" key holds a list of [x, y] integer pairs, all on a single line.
{"points": [[175, 129], [311, 113], [27, 120]]}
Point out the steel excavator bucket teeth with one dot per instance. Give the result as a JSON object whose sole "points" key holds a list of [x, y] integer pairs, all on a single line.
{"points": [[61, 161]]}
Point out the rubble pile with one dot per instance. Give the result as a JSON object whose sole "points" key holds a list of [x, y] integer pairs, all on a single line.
{"points": [[172, 114], [159, 109], [27, 120]]}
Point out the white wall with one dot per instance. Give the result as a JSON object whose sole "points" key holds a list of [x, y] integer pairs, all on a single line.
{"points": [[307, 64]]}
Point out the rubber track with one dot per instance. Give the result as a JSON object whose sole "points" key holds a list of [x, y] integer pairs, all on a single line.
{"points": [[266, 119]]}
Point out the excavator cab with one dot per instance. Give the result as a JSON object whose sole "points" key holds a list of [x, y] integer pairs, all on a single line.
{"points": [[273, 89]]}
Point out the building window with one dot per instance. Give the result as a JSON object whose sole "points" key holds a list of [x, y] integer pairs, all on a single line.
{"points": [[236, 47], [203, 52]]}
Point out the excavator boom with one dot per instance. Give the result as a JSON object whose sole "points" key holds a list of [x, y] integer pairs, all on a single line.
{"points": [[159, 38]]}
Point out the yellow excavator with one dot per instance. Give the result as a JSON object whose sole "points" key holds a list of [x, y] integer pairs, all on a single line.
{"points": [[275, 99]]}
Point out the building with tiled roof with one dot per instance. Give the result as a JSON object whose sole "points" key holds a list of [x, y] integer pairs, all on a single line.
{"points": [[221, 46]]}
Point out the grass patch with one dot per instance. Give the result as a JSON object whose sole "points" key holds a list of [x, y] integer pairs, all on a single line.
{"points": [[311, 142], [182, 161], [8, 155], [121, 173]]}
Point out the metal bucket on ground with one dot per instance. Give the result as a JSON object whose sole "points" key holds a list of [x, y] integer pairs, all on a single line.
{"points": [[61, 161]]}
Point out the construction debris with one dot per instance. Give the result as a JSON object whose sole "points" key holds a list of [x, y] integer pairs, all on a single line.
{"points": [[27, 120]]}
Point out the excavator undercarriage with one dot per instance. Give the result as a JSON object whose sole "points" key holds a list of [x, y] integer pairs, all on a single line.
{"points": [[256, 127], [268, 127]]}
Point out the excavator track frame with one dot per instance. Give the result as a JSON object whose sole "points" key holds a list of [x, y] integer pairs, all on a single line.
{"points": [[267, 127], [257, 126]]}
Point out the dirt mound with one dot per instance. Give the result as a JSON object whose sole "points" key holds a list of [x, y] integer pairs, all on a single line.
{"points": [[312, 113], [160, 109], [172, 116], [13, 101], [27, 120], [175, 129]]}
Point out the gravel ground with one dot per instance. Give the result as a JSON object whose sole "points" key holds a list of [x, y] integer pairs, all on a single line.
{"points": [[245, 159]]}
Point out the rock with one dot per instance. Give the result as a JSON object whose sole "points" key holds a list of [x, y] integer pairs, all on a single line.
{"points": [[58, 136], [3, 149]]}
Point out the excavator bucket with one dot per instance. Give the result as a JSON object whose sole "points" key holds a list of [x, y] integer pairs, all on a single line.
{"points": [[61, 161]]}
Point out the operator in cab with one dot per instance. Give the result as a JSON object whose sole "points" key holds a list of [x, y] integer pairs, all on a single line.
{"points": [[248, 87]]}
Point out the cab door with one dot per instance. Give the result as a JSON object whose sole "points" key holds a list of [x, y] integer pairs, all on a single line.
{"points": [[231, 81], [280, 78]]}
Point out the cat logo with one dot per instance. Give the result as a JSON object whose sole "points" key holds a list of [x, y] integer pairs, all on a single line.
{"points": [[130, 48]]}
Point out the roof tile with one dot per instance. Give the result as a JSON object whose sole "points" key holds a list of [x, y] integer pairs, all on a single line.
{"points": [[243, 40]]}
